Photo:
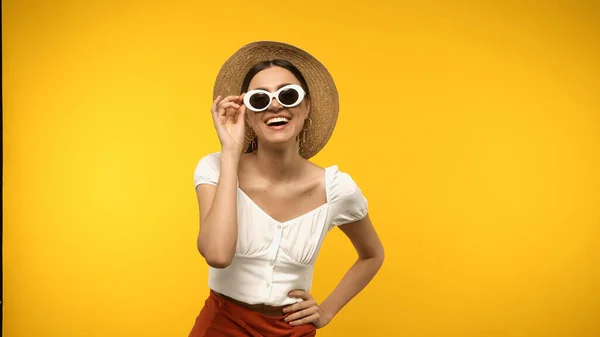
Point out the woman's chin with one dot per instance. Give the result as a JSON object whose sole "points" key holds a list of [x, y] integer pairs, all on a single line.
{"points": [[279, 142], [278, 136]]}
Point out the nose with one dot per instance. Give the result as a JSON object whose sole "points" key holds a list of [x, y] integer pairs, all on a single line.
{"points": [[275, 106]]}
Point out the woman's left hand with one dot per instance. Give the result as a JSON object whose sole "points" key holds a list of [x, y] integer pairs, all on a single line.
{"points": [[306, 311]]}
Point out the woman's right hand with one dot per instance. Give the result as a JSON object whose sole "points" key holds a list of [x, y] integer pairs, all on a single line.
{"points": [[228, 117]]}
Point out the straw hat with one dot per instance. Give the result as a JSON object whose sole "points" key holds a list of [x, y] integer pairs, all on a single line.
{"points": [[324, 101]]}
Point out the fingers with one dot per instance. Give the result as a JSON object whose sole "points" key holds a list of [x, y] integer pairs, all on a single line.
{"points": [[302, 313], [241, 115], [309, 319], [225, 107], [307, 301], [220, 105], [215, 102], [242, 109], [306, 311], [299, 306], [214, 106], [299, 293], [233, 98]]}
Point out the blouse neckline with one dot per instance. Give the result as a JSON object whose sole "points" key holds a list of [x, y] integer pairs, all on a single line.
{"points": [[299, 217]]}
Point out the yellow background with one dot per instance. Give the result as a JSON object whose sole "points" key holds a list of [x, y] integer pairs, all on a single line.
{"points": [[473, 129]]}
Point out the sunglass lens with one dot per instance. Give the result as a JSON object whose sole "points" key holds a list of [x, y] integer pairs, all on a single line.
{"points": [[259, 101], [288, 96]]}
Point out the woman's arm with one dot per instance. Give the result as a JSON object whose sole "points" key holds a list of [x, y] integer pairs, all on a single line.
{"points": [[217, 238], [370, 258], [218, 215]]}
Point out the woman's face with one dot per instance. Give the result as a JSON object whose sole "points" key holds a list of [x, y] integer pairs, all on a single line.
{"points": [[280, 133]]}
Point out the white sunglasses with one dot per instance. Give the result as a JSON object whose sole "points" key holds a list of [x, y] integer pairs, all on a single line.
{"points": [[288, 96]]}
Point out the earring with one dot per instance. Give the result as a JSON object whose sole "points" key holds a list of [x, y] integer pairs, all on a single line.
{"points": [[303, 140], [305, 129], [310, 122], [254, 145]]}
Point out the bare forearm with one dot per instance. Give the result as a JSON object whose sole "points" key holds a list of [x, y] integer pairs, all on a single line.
{"points": [[355, 280], [218, 232]]}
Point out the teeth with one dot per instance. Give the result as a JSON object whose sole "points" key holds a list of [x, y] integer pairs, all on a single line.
{"points": [[277, 119]]}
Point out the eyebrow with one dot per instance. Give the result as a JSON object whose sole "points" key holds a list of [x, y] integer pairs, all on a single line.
{"points": [[279, 87]]}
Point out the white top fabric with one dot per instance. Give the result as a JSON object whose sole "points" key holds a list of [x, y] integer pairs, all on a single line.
{"points": [[272, 257]]}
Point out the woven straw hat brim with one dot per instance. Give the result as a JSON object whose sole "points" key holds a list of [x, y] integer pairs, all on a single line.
{"points": [[324, 100]]}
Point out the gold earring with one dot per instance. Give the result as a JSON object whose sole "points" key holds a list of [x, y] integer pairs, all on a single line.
{"points": [[303, 141], [305, 129], [254, 145], [310, 122]]}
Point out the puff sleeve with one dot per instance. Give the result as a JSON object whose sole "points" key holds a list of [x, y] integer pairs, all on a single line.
{"points": [[207, 170], [347, 202]]}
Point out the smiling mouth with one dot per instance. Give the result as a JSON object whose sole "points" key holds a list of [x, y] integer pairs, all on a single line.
{"points": [[277, 121]]}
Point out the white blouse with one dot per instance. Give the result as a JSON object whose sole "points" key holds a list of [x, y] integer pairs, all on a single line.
{"points": [[272, 257]]}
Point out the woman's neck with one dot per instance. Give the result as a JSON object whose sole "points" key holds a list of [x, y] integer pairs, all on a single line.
{"points": [[279, 164]]}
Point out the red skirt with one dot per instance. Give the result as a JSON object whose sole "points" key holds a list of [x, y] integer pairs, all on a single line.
{"points": [[220, 317]]}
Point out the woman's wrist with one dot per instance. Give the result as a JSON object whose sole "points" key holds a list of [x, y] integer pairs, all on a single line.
{"points": [[328, 312], [229, 156]]}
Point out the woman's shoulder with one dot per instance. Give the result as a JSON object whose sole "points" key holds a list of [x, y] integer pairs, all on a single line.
{"points": [[211, 156], [339, 183], [345, 196], [211, 159], [207, 169]]}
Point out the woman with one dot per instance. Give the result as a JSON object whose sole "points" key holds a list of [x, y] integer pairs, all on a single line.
{"points": [[265, 209]]}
